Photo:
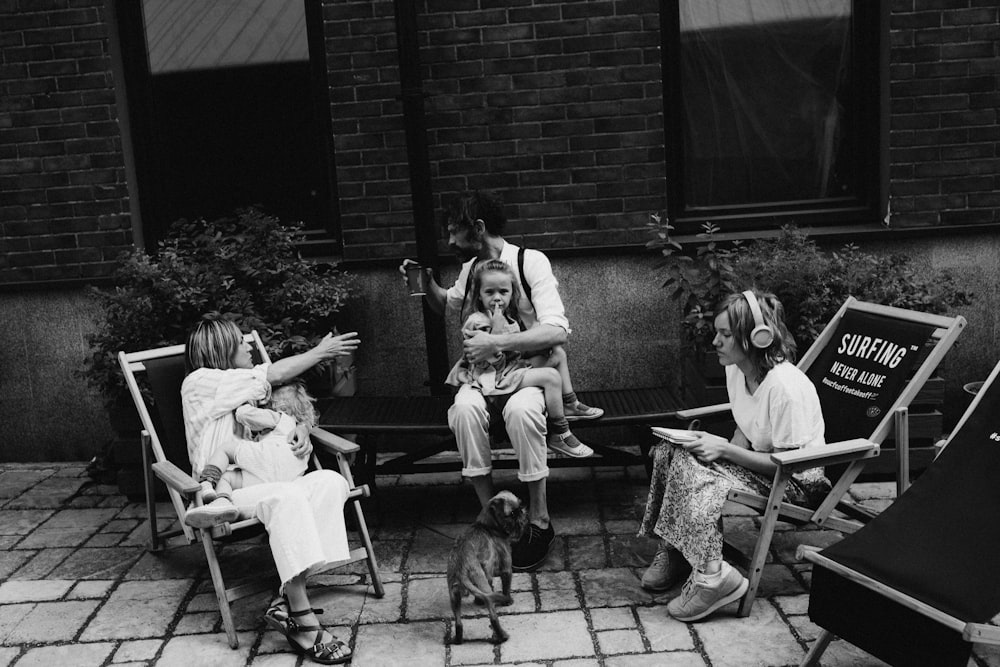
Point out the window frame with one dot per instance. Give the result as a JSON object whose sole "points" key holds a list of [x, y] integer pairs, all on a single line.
{"points": [[870, 72]]}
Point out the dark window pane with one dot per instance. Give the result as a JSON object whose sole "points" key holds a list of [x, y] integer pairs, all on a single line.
{"points": [[765, 87]]}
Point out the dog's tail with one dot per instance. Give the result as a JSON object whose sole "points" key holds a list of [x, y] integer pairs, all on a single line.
{"points": [[488, 597]]}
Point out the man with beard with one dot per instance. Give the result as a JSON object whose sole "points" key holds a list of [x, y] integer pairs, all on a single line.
{"points": [[475, 223]]}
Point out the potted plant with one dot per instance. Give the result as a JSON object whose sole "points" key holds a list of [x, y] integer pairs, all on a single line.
{"points": [[246, 267], [698, 283]]}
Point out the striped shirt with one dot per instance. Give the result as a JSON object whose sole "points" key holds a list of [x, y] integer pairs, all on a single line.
{"points": [[209, 397]]}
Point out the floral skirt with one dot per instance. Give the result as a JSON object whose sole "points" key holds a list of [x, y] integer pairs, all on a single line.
{"points": [[686, 496]]}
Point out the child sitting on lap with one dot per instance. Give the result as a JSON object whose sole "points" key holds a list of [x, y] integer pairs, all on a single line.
{"points": [[496, 292], [268, 458]]}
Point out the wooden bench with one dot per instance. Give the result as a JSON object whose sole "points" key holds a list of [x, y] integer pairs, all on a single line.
{"points": [[416, 428]]}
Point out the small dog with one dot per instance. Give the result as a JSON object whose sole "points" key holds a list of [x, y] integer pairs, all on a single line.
{"points": [[482, 553]]}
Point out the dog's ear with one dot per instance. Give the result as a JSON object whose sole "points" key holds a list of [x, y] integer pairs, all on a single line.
{"points": [[499, 510], [493, 514]]}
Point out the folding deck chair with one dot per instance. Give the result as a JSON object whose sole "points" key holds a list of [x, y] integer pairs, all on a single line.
{"points": [[165, 455], [862, 365], [919, 584]]}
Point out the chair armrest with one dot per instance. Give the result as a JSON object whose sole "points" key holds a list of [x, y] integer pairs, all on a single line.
{"points": [[332, 442], [176, 478], [811, 457], [704, 411]]}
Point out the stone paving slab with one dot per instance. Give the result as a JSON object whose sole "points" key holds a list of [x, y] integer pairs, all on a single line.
{"points": [[78, 587], [78, 655], [138, 609]]}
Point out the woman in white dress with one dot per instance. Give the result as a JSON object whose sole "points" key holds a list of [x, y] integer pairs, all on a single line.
{"points": [[304, 517]]}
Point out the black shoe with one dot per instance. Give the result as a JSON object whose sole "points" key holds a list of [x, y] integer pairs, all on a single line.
{"points": [[531, 550]]}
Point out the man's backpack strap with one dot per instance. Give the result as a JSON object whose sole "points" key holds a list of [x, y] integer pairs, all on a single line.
{"points": [[520, 275]]}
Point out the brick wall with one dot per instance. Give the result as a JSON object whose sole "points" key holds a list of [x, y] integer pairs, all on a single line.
{"points": [[945, 133], [558, 104], [63, 207]]}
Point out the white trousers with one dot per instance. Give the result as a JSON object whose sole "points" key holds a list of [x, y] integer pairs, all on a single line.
{"points": [[304, 520], [524, 417]]}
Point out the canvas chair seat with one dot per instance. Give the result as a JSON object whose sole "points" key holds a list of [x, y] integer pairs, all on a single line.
{"points": [[867, 369], [918, 585], [165, 458]]}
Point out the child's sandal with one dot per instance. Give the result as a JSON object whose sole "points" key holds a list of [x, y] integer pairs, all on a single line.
{"points": [[580, 411], [333, 652]]}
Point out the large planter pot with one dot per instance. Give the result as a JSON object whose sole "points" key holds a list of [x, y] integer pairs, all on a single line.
{"points": [[123, 455], [704, 379], [338, 379], [123, 417]]}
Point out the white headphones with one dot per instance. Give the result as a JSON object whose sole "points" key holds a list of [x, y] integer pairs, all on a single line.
{"points": [[762, 335]]}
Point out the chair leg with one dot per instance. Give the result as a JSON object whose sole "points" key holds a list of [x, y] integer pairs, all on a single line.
{"points": [[767, 524], [220, 588], [902, 432], [817, 649], [149, 479], [362, 525], [367, 541]]}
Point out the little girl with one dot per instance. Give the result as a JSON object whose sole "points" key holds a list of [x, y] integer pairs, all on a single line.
{"points": [[268, 458], [495, 312]]}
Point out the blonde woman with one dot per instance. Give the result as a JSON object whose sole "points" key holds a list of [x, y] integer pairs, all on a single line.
{"points": [[304, 517]]}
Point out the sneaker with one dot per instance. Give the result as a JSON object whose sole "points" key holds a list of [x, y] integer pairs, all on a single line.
{"points": [[580, 411], [218, 511], [667, 569], [568, 444], [702, 594], [531, 550]]}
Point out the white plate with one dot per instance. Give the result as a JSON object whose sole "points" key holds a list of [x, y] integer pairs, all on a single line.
{"points": [[676, 435]]}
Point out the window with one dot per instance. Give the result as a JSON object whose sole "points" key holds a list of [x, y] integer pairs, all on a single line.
{"points": [[772, 112], [229, 108]]}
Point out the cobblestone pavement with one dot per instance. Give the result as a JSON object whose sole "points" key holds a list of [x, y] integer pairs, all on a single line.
{"points": [[78, 588]]}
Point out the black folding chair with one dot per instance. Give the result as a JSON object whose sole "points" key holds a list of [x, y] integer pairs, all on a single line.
{"points": [[919, 584]]}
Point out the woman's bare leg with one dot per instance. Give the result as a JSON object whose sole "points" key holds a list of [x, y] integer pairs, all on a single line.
{"points": [[302, 614]]}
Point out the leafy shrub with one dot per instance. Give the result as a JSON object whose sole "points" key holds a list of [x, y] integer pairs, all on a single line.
{"points": [[811, 283], [699, 283], [246, 268]]}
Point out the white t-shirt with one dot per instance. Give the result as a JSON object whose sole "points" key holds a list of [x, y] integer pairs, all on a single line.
{"points": [[784, 412]]}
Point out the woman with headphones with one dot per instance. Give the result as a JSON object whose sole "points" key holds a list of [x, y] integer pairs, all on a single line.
{"points": [[775, 407]]}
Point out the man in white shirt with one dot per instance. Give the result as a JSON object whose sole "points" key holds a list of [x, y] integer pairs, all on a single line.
{"points": [[475, 223]]}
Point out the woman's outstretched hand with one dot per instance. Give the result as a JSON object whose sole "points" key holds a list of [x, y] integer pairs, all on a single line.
{"points": [[337, 346]]}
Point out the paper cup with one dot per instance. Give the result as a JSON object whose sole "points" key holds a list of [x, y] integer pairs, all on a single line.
{"points": [[413, 279]]}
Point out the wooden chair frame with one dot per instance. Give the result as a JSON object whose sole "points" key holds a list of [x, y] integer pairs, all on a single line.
{"points": [[184, 489], [854, 452], [976, 633]]}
